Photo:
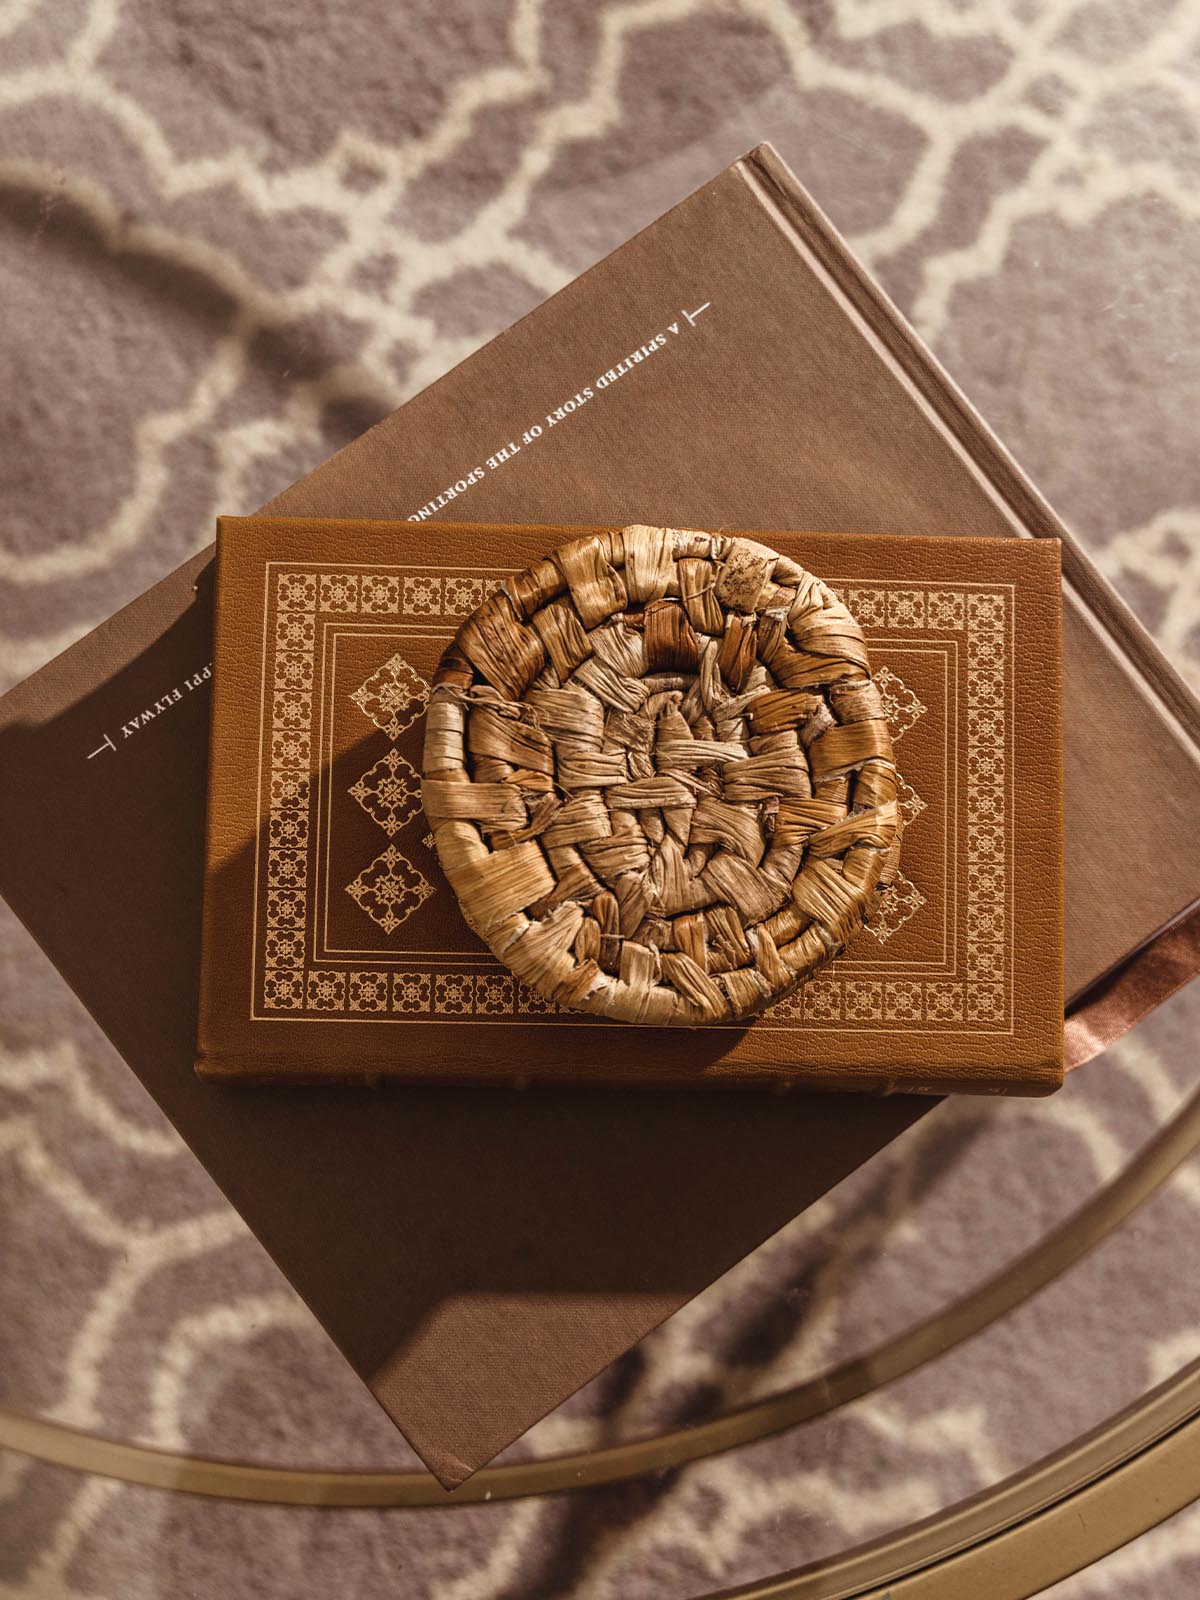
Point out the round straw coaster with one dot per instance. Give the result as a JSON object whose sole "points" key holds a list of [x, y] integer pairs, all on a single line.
{"points": [[659, 776]]}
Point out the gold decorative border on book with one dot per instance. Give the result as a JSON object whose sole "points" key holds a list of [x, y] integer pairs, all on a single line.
{"points": [[977, 997]]}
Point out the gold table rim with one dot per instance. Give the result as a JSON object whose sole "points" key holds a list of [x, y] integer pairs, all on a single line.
{"points": [[1053, 1518], [61, 1445]]}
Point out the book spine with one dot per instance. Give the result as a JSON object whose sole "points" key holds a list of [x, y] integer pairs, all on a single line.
{"points": [[208, 1063], [459, 1073]]}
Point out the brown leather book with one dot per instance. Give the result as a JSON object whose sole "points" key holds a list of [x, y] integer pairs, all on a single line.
{"points": [[333, 947], [479, 1256]]}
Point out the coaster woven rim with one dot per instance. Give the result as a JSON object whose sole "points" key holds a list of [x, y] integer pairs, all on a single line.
{"points": [[659, 776]]}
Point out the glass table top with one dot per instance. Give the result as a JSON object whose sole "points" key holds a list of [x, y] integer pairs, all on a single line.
{"points": [[1006, 1279], [986, 1339]]}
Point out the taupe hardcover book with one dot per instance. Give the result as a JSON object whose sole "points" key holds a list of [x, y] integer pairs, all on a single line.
{"points": [[334, 948], [479, 1256]]}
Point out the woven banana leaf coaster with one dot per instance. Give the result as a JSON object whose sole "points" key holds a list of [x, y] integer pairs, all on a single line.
{"points": [[659, 777]]}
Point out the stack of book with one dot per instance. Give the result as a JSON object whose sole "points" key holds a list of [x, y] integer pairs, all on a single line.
{"points": [[479, 1256]]}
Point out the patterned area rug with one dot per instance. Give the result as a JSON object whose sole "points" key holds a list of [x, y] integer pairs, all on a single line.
{"points": [[231, 236]]}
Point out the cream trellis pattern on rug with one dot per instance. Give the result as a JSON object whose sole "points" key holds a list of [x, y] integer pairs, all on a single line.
{"points": [[1009, 171], [972, 992]]}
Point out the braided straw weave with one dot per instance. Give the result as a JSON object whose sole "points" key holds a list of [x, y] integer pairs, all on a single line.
{"points": [[659, 777]]}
